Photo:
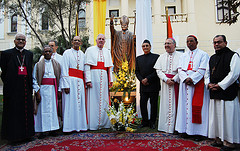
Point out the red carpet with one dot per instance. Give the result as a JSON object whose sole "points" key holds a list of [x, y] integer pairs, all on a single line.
{"points": [[110, 142]]}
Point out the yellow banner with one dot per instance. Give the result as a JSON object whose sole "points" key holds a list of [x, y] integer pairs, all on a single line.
{"points": [[99, 17]]}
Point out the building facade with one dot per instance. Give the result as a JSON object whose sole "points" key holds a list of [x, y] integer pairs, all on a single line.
{"points": [[199, 17]]}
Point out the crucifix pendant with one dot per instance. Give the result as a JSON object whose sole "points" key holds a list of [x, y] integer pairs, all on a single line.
{"points": [[77, 66], [21, 68]]}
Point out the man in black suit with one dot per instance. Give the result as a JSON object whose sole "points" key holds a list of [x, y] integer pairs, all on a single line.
{"points": [[149, 84], [17, 118]]}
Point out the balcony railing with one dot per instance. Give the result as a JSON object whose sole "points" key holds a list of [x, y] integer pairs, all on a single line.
{"points": [[176, 18], [116, 20]]}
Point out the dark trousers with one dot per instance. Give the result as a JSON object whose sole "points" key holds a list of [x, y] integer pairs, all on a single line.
{"points": [[143, 106]]}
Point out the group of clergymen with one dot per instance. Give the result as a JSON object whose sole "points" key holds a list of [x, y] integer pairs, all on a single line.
{"points": [[199, 95], [59, 84]]}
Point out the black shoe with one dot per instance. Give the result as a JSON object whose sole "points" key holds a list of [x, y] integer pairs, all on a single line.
{"points": [[142, 125], [184, 135], [175, 133], [53, 133], [152, 126], [198, 138], [226, 148], [215, 144], [42, 135]]}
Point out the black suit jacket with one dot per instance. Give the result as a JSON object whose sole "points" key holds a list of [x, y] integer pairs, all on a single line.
{"points": [[144, 69]]}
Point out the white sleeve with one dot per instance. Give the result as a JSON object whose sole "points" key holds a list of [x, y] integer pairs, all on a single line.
{"points": [[64, 74], [36, 86], [233, 74], [87, 73]]}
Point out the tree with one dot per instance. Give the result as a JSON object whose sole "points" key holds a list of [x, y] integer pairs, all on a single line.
{"points": [[60, 15], [232, 15]]}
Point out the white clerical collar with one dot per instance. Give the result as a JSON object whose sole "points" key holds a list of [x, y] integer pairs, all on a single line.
{"points": [[47, 60], [193, 50], [19, 49], [171, 54], [73, 49]]}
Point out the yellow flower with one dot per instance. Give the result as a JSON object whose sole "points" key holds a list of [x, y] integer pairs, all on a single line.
{"points": [[115, 100], [113, 121]]}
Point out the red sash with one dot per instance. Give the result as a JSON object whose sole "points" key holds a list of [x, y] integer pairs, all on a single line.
{"points": [[197, 102], [100, 65], [51, 81], [79, 74], [75, 73], [176, 88]]}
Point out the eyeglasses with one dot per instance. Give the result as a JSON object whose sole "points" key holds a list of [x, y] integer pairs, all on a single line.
{"points": [[18, 39], [217, 42], [77, 40], [167, 43]]}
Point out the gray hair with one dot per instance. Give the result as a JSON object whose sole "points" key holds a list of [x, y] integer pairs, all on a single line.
{"points": [[100, 35], [19, 34]]}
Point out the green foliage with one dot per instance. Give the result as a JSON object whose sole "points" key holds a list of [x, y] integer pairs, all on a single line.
{"points": [[85, 43], [37, 52]]}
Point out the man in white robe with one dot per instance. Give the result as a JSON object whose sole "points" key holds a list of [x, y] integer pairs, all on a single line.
{"points": [[98, 72], [59, 58], [224, 109], [192, 112], [46, 76], [166, 67], [74, 107]]}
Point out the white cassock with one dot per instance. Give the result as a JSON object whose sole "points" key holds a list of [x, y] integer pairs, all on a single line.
{"points": [[98, 95], [46, 118], [74, 109], [167, 65], [199, 60], [224, 116], [59, 59]]}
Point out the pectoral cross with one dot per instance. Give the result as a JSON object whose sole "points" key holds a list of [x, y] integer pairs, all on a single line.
{"points": [[21, 68]]}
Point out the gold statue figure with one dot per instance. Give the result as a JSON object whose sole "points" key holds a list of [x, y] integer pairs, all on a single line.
{"points": [[122, 45]]}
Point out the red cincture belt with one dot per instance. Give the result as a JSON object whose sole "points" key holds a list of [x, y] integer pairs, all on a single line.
{"points": [[75, 73], [100, 65], [51, 81]]}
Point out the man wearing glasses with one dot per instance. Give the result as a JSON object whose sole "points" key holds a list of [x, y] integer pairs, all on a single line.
{"points": [[224, 109], [16, 65], [167, 70]]}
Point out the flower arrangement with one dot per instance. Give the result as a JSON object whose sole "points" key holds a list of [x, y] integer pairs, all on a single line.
{"points": [[125, 80], [123, 118]]}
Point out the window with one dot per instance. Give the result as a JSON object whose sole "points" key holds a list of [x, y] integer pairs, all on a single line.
{"points": [[45, 20], [14, 23], [171, 10], [223, 11], [82, 18], [114, 13]]}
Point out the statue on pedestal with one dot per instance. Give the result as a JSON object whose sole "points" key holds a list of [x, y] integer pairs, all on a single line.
{"points": [[122, 45]]}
